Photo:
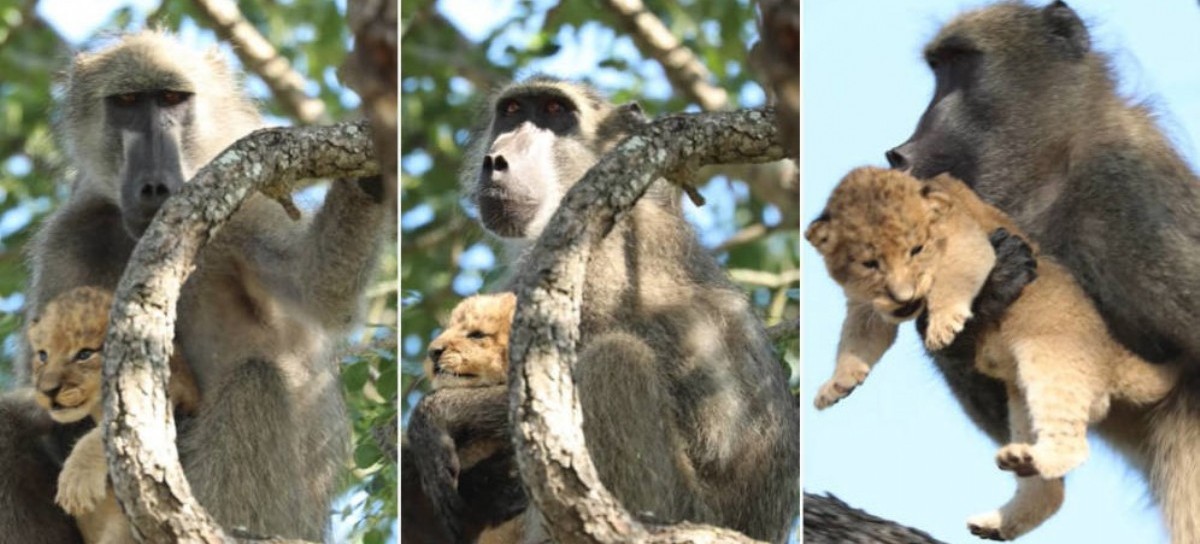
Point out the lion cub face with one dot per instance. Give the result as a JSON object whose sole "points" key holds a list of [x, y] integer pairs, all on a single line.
{"points": [[472, 351], [880, 238], [66, 341]]}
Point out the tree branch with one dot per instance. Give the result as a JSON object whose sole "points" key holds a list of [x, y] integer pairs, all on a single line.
{"points": [[260, 57], [371, 72], [139, 428], [552, 455], [776, 58], [828, 520], [686, 73]]}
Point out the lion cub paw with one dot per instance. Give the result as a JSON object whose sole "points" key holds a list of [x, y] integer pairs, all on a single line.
{"points": [[80, 490], [944, 326], [842, 383], [988, 526], [1030, 460]]}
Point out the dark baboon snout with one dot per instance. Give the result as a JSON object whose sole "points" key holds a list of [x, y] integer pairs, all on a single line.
{"points": [[897, 157]]}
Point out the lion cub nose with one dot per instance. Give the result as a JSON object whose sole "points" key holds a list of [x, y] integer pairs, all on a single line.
{"points": [[50, 391], [436, 353], [901, 294]]}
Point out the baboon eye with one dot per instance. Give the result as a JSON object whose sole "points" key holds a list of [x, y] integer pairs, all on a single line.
{"points": [[554, 107], [126, 99], [916, 250], [42, 355], [476, 335], [84, 354], [511, 107], [872, 264], [172, 98]]}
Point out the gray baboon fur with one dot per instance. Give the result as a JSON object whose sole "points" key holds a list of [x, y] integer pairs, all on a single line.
{"points": [[686, 409], [259, 318], [1029, 115]]}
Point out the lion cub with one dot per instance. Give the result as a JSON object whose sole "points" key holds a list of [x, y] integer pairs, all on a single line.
{"points": [[67, 340], [472, 351], [897, 246]]}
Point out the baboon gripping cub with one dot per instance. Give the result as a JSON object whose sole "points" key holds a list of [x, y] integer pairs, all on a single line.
{"points": [[897, 245], [259, 319], [686, 410], [467, 361], [66, 343], [1027, 113]]}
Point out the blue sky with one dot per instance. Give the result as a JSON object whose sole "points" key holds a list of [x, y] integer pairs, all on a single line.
{"points": [[900, 447]]}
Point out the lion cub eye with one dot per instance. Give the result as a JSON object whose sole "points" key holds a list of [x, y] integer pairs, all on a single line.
{"points": [[873, 264], [916, 250], [476, 335], [84, 354], [42, 355]]}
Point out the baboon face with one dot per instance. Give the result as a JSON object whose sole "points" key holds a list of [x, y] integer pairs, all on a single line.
{"points": [[150, 127], [998, 72], [144, 114], [541, 141]]}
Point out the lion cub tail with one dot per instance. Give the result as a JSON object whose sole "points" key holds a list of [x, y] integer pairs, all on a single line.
{"points": [[1175, 458]]}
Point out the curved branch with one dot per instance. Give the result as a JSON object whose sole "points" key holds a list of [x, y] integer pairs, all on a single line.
{"points": [[139, 428], [263, 59], [559, 473]]}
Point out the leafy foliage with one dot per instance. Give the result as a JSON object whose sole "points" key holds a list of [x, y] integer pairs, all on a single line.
{"points": [[312, 35]]}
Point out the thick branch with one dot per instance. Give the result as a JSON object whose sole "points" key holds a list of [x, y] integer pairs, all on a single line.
{"points": [[371, 72], [686, 73], [828, 520], [138, 424], [556, 465], [260, 57]]}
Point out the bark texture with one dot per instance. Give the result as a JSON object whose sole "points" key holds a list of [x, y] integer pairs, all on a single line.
{"points": [[828, 520], [139, 428]]}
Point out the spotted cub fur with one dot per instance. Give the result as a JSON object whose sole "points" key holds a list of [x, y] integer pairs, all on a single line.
{"points": [[67, 341], [898, 246]]}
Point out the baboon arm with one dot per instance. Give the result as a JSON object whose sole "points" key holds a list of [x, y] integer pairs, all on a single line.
{"points": [[340, 249], [441, 424]]}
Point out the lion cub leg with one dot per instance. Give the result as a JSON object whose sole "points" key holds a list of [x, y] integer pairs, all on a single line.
{"points": [[1063, 387], [83, 482], [965, 265], [865, 338], [1035, 500]]}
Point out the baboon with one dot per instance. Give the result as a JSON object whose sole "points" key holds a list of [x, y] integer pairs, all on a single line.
{"points": [[686, 410], [1028, 114], [259, 318]]}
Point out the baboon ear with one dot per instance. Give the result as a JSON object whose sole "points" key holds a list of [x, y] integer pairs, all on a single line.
{"points": [[632, 110], [939, 201], [820, 234], [1067, 29]]}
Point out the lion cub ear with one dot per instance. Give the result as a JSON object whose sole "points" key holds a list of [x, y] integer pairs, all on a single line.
{"points": [[820, 234], [938, 201]]}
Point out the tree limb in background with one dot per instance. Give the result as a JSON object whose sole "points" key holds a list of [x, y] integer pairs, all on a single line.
{"points": [[554, 462], [776, 57], [828, 520], [260, 57], [371, 71], [687, 74], [139, 428]]}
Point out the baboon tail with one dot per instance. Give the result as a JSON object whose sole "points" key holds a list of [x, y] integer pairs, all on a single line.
{"points": [[1175, 459]]}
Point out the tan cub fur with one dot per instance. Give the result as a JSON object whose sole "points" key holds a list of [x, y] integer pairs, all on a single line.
{"points": [[67, 340], [896, 245], [472, 351]]}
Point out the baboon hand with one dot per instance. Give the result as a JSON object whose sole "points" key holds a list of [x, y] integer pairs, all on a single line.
{"points": [[845, 378]]}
